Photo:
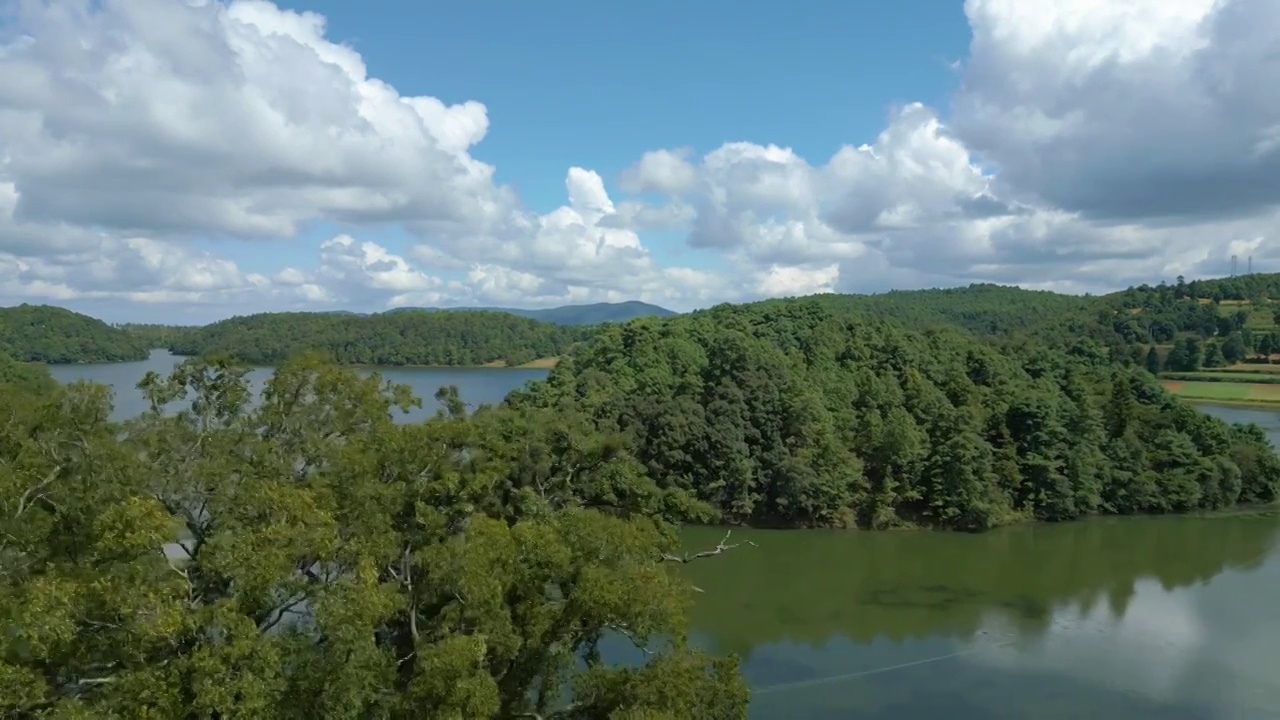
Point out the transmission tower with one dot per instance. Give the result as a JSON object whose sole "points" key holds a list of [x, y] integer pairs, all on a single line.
{"points": [[1250, 272], [1233, 266]]}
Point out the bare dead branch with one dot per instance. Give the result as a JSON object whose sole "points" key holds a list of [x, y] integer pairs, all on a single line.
{"points": [[35, 492], [721, 547], [407, 568], [625, 632], [278, 614]]}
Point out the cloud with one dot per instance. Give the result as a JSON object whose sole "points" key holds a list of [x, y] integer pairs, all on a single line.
{"points": [[1151, 650], [163, 118], [1088, 146], [1144, 110], [155, 122]]}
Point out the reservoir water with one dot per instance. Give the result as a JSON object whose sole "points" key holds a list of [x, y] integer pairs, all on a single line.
{"points": [[476, 386], [1172, 618]]}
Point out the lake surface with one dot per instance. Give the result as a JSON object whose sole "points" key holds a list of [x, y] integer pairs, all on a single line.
{"points": [[1125, 619], [476, 386]]}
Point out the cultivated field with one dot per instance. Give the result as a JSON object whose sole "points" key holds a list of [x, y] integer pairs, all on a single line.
{"points": [[1233, 393]]}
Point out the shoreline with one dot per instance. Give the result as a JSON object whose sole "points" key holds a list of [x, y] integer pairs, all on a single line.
{"points": [[542, 363], [1235, 511]]}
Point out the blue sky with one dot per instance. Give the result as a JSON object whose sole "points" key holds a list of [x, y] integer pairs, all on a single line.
{"points": [[571, 82], [186, 161]]}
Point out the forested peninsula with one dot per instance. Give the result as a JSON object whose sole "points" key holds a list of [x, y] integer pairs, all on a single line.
{"points": [[415, 337], [789, 413], [48, 334]]}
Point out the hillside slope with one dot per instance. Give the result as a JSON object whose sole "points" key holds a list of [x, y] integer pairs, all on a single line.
{"points": [[792, 413], [592, 314], [49, 334], [985, 309], [403, 338]]}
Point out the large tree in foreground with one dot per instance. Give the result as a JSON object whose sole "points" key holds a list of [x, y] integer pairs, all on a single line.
{"points": [[331, 563]]}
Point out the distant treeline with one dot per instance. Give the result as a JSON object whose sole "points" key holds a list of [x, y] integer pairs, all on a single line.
{"points": [[1218, 322], [398, 338]]}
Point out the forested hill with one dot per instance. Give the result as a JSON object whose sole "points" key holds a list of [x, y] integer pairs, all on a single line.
{"points": [[593, 314], [988, 310], [1254, 287], [1204, 308], [397, 338], [48, 334], [789, 412], [156, 335]]}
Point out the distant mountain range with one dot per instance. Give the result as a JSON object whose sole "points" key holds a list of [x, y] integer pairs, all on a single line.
{"points": [[569, 314]]}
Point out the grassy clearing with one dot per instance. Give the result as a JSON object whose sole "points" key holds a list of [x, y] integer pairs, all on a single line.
{"points": [[1232, 393]]}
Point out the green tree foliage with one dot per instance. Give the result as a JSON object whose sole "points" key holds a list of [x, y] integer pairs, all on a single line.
{"points": [[789, 413], [591, 314], [394, 338], [1187, 355], [1160, 313], [47, 334], [1152, 360], [325, 562], [1266, 345], [1234, 349], [158, 336], [985, 309], [1213, 355], [29, 377]]}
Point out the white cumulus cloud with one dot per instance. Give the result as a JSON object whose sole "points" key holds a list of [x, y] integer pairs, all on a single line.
{"points": [[1088, 145]]}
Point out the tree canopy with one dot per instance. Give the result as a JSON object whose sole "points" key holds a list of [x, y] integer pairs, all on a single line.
{"points": [[412, 337], [590, 314], [305, 556], [309, 558], [790, 413], [987, 310], [48, 334]]}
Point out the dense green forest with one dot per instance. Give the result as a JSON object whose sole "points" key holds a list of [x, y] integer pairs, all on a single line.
{"points": [[398, 338], [334, 564], [1187, 326], [48, 334], [591, 314], [1180, 327], [33, 377], [157, 335], [987, 310], [792, 413], [325, 561]]}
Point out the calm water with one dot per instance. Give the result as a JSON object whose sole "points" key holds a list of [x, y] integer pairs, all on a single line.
{"points": [[477, 386], [1124, 619]]}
